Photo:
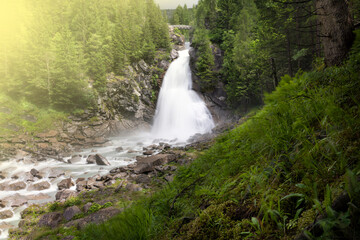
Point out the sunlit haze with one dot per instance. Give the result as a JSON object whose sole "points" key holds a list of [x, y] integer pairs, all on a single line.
{"points": [[172, 4]]}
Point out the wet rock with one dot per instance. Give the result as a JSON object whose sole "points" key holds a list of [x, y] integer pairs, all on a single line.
{"points": [[17, 186], [70, 212], [65, 194], [79, 180], [2, 204], [66, 184], [91, 159], [15, 200], [131, 151], [94, 218], [81, 185], [40, 196], [148, 152], [55, 173], [119, 149], [147, 164], [6, 214], [74, 159], [39, 186], [174, 54], [5, 226], [50, 220], [101, 160]]}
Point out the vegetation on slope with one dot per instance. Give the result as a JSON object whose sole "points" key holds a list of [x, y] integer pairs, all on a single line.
{"points": [[272, 176]]}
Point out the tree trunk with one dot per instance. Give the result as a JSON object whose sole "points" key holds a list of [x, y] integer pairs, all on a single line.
{"points": [[336, 29]]}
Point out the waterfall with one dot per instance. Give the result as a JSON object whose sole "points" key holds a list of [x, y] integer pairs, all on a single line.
{"points": [[180, 112]]}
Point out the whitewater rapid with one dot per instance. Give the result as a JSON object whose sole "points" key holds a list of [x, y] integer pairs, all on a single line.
{"points": [[180, 112]]}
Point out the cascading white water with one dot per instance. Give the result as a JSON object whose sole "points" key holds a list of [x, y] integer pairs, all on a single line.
{"points": [[180, 112]]}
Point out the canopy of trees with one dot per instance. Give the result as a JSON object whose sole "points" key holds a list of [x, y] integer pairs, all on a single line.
{"points": [[56, 52]]}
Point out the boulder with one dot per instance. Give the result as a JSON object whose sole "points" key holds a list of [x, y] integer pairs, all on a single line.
{"points": [[36, 197], [65, 184], [39, 186], [143, 65], [17, 186], [119, 149], [91, 159], [101, 160], [87, 207], [147, 164], [74, 159], [169, 178], [52, 220], [143, 178], [70, 212], [94, 218], [6, 214], [133, 187], [15, 200], [55, 173], [148, 152], [65, 194], [34, 172]]}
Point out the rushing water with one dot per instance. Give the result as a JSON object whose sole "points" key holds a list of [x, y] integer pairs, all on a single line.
{"points": [[180, 112]]}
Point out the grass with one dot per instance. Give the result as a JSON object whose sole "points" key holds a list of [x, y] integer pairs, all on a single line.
{"points": [[270, 177], [20, 116]]}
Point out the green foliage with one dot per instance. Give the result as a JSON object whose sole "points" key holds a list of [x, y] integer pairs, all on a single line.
{"points": [[64, 49], [96, 207], [269, 177], [72, 201], [205, 62]]}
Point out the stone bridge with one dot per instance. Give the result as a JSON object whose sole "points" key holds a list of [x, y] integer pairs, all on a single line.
{"points": [[187, 27]]}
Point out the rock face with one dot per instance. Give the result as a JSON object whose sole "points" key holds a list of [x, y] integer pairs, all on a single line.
{"points": [[127, 103]]}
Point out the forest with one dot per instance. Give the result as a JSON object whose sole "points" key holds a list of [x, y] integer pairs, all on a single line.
{"points": [[288, 168], [57, 54]]}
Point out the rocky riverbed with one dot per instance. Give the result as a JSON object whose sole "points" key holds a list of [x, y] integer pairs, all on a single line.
{"points": [[94, 179]]}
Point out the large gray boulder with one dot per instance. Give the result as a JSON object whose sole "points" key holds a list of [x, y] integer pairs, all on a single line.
{"points": [[65, 184], [6, 214], [101, 160], [39, 186], [52, 220], [70, 212], [147, 164], [65, 194], [94, 218]]}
